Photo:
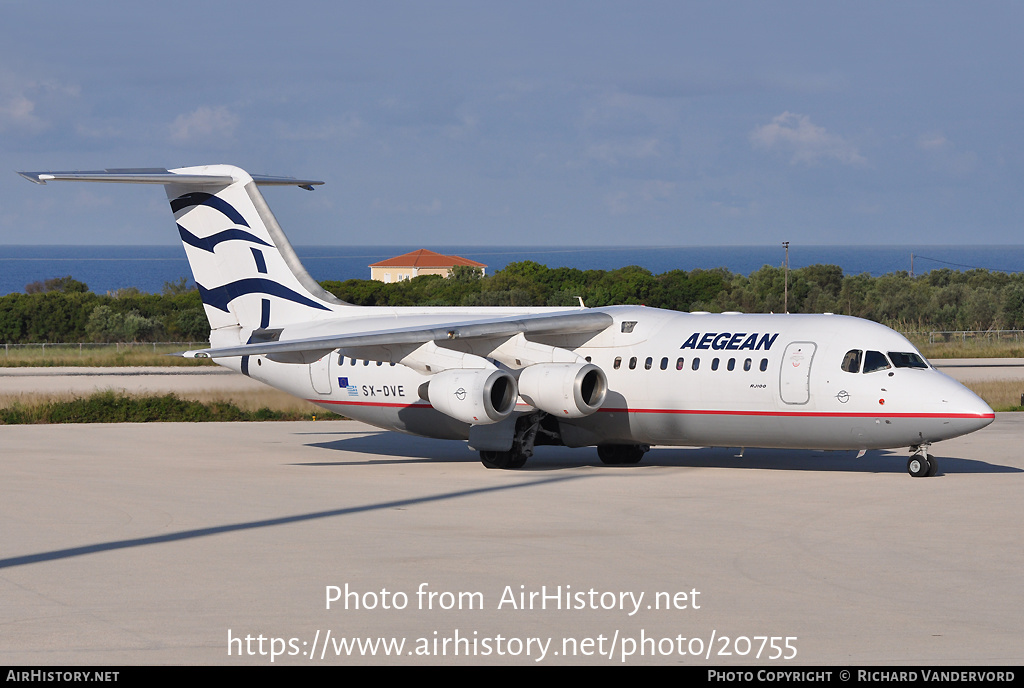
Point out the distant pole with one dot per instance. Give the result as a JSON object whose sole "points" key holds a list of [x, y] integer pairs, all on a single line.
{"points": [[785, 297], [911, 264]]}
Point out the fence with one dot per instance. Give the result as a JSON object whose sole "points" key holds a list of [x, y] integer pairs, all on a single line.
{"points": [[89, 347], [940, 336]]}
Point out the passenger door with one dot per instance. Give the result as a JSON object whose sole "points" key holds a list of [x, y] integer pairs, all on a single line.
{"points": [[795, 374], [320, 374]]}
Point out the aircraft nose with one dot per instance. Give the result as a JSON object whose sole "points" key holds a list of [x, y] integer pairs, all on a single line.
{"points": [[975, 413]]}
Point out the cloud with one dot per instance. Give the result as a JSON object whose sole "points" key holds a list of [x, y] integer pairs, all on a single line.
{"points": [[729, 204], [337, 129], [468, 126], [613, 152], [432, 208], [657, 190], [943, 156], [17, 111], [20, 100], [932, 142], [204, 123], [639, 196], [808, 143]]}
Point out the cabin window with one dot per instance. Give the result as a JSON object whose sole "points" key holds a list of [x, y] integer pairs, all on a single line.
{"points": [[746, 364], [764, 364], [649, 363], [341, 360], [714, 364], [732, 364], [366, 362], [351, 361], [632, 363], [380, 363], [906, 360], [664, 364], [618, 363], [875, 360], [851, 362], [696, 363], [679, 364]]}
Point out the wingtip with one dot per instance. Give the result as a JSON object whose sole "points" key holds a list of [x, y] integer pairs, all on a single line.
{"points": [[34, 177]]}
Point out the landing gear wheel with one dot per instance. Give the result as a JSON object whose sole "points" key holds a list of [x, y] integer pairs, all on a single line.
{"points": [[517, 460], [933, 466], [918, 466], [507, 460], [620, 454]]}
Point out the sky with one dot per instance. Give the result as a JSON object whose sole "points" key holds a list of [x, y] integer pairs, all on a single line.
{"points": [[536, 123]]}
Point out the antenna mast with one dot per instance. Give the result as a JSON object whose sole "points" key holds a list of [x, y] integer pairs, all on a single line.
{"points": [[785, 297]]}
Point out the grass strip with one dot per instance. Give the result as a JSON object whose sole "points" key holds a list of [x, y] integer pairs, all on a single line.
{"points": [[117, 407]]}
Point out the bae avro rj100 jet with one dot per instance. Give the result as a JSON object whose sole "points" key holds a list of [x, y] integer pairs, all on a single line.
{"points": [[621, 378]]}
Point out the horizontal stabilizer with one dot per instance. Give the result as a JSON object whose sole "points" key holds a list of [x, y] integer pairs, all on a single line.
{"points": [[156, 175]]}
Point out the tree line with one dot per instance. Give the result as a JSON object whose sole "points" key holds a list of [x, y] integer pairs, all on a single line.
{"points": [[64, 310], [938, 300]]}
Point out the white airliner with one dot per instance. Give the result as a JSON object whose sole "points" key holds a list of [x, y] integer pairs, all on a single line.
{"points": [[621, 378]]}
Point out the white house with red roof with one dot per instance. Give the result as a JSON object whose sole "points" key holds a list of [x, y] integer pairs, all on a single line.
{"points": [[416, 263]]}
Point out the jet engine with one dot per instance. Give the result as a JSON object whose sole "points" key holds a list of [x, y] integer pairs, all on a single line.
{"points": [[477, 396], [565, 390]]}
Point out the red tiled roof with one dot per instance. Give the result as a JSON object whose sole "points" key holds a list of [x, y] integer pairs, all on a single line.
{"points": [[426, 259]]}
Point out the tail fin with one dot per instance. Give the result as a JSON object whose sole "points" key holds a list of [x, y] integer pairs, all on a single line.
{"points": [[247, 273]]}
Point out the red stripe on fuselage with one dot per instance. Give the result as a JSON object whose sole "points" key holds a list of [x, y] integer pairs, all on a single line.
{"points": [[368, 403], [809, 414], [703, 412]]}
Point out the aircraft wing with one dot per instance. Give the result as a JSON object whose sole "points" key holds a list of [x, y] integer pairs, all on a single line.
{"points": [[569, 322]]}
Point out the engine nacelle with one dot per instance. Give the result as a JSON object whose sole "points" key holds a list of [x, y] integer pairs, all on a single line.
{"points": [[473, 395], [565, 390]]}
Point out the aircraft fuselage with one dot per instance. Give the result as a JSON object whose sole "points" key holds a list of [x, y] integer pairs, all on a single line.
{"points": [[684, 379]]}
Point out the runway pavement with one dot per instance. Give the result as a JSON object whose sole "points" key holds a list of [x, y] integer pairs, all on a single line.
{"points": [[187, 543], [977, 369]]}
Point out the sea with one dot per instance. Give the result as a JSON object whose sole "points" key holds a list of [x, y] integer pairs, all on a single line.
{"points": [[148, 268]]}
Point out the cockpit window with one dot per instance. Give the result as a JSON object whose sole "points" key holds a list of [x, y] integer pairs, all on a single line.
{"points": [[875, 360], [906, 360], [851, 362]]}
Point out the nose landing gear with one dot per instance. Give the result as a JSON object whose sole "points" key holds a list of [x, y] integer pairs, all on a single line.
{"points": [[921, 464]]}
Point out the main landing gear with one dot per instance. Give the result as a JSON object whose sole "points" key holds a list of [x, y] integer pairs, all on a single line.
{"points": [[531, 429], [540, 428], [509, 460], [921, 464], [621, 454]]}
